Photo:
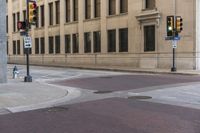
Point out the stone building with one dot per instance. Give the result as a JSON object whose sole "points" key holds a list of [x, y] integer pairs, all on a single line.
{"points": [[108, 33]]}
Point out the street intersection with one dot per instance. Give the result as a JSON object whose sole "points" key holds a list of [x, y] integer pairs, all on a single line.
{"points": [[65, 100]]}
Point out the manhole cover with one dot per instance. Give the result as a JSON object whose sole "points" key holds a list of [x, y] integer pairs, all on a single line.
{"points": [[102, 92], [57, 109], [139, 97]]}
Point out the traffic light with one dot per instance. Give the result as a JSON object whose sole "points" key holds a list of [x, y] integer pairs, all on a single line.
{"points": [[179, 24], [21, 25], [170, 25], [32, 8]]}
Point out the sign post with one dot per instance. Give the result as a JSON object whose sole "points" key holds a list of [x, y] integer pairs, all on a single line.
{"points": [[174, 45], [27, 46]]}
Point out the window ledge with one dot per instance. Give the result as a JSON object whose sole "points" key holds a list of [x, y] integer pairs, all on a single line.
{"points": [[39, 28], [92, 19], [52, 26], [73, 22], [149, 9], [117, 15]]}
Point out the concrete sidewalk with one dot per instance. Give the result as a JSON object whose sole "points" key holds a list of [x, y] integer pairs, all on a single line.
{"points": [[19, 96], [137, 70]]}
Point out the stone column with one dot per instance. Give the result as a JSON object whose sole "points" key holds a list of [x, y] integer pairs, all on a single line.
{"points": [[92, 9], [197, 34], [104, 9], [80, 25], [71, 11], [46, 25], [117, 6], [62, 27], [3, 55]]}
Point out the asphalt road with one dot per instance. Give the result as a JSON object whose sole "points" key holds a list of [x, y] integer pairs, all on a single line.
{"points": [[111, 114], [127, 82], [105, 116]]}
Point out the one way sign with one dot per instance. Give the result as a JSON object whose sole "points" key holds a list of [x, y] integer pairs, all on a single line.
{"points": [[27, 42]]}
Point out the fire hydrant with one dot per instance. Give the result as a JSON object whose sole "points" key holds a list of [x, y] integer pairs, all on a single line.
{"points": [[15, 72]]}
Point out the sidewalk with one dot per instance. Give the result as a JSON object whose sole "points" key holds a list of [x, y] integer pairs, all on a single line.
{"points": [[18, 96], [139, 70]]}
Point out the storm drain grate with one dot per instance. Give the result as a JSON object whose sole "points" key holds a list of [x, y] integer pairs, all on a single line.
{"points": [[102, 92], [139, 97], [57, 109]]}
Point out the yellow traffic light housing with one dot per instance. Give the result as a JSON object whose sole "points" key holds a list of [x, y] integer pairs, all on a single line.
{"points": [[179, 24], [170, 25], [32, 10]]}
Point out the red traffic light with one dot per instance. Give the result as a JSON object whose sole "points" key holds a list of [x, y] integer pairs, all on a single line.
{"points": [[21, 25]]}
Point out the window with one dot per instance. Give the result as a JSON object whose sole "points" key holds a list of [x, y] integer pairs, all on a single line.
{"points": [[87, 42], [18, 19], [14, 48], [7, 48], [67, 44], [37, 46], [97, 41], [112, 7], [24, 15], [75, 43], [51, 48], [67, 10], [149, 38], [75, 9], [18, 47], [123, 40], [42, 45], [97, 8], [37, 20], [123, 6], [112, 41], [42, 15], [14, 23], [6, 24], [150, 4], [50, 13], [57, 44], [87, 9], [57, 12]]}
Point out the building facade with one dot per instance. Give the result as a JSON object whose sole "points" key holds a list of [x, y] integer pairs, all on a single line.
{"points": [[108, 33]]}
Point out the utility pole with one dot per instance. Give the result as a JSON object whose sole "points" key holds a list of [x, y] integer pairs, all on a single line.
{"points": [[3, 55]]}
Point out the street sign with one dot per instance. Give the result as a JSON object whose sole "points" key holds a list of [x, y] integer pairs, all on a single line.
{"points": [[173, 38], [174, 43], [177, 38], [27, 42]]}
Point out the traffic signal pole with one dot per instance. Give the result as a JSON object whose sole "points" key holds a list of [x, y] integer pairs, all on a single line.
{"points": [[27, 78], [173, 69]]}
